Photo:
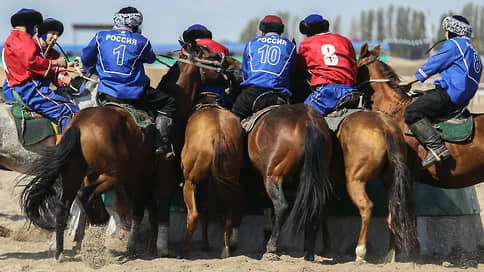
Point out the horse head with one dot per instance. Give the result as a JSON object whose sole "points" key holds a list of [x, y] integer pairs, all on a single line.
{"points": [[83, 88], [380, 82]]}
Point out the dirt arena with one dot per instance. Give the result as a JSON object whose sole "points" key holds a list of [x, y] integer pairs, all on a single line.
{"points": [[25, 249]]}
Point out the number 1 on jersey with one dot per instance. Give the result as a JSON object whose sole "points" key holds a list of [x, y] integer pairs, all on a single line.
{"points": [[119, 51]]}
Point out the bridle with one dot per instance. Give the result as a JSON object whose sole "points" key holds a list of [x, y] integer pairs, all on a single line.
{"points": [[368, 81]]}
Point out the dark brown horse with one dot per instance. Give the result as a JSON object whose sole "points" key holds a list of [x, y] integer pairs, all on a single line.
{"points": [[372, 145], [466, 165], [103, 149], [293, 142]]}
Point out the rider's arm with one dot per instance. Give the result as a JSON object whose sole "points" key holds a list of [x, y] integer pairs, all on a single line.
{"points": [[89, 53], [147, 55], [438, 62]]}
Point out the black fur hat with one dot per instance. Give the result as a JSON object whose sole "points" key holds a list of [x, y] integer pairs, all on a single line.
{"points": [[26, 17], [50, 24], [271, 23], [196, 31], [313, 24]]}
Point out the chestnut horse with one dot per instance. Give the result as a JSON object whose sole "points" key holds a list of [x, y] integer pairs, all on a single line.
{"points": [[293, 142], [213, 148], [466, 165], [213, 153], [372, 145]]}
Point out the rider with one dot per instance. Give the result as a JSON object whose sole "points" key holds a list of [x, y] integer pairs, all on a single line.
{"points": [[47, 34], [460, 69], [267, 65], [119, 55], [331, 60], [28, 70], [203, 36]]}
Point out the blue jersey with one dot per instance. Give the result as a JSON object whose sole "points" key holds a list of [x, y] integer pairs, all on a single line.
{"points": [[119, 55], [459, 66], [268, 63]]}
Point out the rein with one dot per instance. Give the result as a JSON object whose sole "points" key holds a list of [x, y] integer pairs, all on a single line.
{"points": [[363, 83], [198, 63]]}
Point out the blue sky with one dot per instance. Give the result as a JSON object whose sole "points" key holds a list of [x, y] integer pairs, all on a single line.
{"points": [[164, 21]]}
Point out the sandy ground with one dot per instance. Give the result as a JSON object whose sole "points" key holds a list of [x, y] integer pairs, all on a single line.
{"points": [[25, 249]]}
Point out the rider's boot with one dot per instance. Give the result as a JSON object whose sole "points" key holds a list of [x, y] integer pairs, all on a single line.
{"points": [[430, 138], [163, 147]]}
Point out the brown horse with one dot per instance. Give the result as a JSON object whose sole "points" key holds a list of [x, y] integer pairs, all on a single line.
{"points": [[213, 153], [373, 146], [466, 165], [213, 149], [293, 142], [103, 149]]}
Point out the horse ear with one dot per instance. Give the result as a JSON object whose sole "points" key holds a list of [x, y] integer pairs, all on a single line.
{"points": [[376, 50], [364, 50], [182, 43]]}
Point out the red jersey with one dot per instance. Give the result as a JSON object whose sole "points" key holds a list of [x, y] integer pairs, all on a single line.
{"points": [[215, 46], [330, 58], [52, 54], [22, 60]]}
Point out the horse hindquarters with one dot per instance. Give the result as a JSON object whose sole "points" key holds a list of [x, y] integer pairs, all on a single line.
{"points": [[314, 189]]}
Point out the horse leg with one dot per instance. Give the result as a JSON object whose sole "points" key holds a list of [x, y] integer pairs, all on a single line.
{"points": [[274, 190], [171, 175], [137, 217], [357, 193], [80, 230], [192, 214], [153, 217], [227, 234], [325, 229]]}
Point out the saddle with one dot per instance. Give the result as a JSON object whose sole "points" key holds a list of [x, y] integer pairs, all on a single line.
{"points": [[457, 126], [249, 123], [353, 100], [209, 98], [32, 127], [267, 99]]}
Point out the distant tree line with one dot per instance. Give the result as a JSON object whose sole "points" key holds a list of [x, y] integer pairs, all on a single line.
{"points": [[398, 25]]}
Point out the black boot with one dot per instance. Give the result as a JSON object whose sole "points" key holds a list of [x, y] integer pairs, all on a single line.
{"points": [[430, 138], [162, 143]]}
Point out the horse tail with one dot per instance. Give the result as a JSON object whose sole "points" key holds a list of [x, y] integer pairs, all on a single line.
{"points": [[402, 203], [314, 187], [224, 182], [41, 199]]}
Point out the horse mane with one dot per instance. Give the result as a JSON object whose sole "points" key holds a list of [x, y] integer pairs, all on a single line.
{"points": [[388, 73]]}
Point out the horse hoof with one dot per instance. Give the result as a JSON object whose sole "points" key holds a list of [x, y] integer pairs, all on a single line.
{"points": [[163, 253], [360, 260], [269, 256], [309, 257], [225, 253], [271, 247], [59, 257], [390, 257]]}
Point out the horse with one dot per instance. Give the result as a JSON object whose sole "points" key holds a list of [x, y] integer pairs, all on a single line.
{"points": [[293, 142], [372, 146], [17, 157], [213, 149], [466, 165], [102, 149], [213, 153]]}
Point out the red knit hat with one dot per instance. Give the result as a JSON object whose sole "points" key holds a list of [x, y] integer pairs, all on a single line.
{"points": [[272, 19], [271, 23]]}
